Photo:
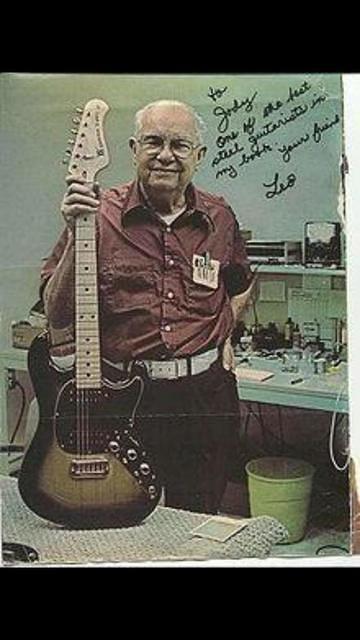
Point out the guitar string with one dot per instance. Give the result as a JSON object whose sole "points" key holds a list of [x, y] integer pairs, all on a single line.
{"points": [[86, 399], [83, 420]]}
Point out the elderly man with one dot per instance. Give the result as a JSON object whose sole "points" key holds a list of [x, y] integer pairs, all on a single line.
{"points": [[173, 280]]}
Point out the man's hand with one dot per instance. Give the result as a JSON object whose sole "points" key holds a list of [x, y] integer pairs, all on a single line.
{"points": [[239, 305], [80, 197], [228, 356]]}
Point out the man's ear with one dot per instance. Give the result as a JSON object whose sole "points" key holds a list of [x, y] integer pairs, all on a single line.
{"points": [[200, 155], [132, 145]]}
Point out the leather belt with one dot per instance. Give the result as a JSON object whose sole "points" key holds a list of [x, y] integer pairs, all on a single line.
{"points": [[171, 369]]}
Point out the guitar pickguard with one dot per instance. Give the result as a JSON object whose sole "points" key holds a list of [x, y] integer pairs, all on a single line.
{"points": [[91, 423]]}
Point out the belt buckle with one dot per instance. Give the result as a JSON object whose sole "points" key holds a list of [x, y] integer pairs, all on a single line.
{"points": [[170, 369]]}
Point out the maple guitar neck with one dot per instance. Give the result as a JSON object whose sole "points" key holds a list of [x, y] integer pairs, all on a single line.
{"points": [[87, 335], [88, 157]]}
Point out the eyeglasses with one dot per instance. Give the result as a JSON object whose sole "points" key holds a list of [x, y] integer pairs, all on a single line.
{"points": [[152, 145]]}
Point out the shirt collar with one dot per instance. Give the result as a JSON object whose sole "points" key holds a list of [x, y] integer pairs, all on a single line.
{"points": [[196, 205]]}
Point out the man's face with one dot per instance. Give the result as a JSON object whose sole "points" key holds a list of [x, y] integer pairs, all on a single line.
{"points": [[167, 134]]}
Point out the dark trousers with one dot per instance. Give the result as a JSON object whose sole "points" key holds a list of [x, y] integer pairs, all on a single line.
{"points": [[190, 427]]}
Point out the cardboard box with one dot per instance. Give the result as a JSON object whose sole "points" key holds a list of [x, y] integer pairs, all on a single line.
{"points": [[23, 335]]}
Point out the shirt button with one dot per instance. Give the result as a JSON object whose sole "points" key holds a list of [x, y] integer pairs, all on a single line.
{"points": [[168, 229], [167, 327], [170, 295], [171, 262]]}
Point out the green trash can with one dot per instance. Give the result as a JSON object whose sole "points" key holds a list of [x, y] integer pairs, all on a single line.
{"points": [[281, 487]]}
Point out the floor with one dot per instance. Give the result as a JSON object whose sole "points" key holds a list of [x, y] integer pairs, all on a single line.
{"points": [[301, 434], [316, 543]]}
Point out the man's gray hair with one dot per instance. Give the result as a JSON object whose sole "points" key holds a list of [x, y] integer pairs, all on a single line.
{"points": [[200, 126]]}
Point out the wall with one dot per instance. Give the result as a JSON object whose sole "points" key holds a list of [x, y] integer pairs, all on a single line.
{"points": [[304, 111]]}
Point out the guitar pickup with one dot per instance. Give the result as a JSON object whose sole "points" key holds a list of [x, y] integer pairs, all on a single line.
{"points": [[86, 468]]}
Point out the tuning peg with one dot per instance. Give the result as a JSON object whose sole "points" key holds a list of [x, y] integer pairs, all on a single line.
{"points": [[65, 161], [68, 151], [71, 141], [79, 110], [73, 131], [76, 120]]}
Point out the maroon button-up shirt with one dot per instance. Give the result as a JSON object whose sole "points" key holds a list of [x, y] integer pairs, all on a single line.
{"points": [[150, 306]]}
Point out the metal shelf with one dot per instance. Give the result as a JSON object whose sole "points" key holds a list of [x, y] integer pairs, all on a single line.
{"points": [[297, 269]]}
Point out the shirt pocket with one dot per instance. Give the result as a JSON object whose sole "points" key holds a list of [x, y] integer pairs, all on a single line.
{"points": [[202, 300], [126, 287]]}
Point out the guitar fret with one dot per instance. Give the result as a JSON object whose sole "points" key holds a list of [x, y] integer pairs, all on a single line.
{"points": [[86, 307], [83, 256], [84, 233], [87, 320], [86, 221], [85, 269], [84, 365], [86, 330], [88, 354], [85, 244], [83, 356], [84, 280], [91, 318], [81, 303], [89, 384], [86, 289]]}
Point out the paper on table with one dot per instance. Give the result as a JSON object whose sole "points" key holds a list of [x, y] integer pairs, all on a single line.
{"points": [[252, 374], [219, 528]]}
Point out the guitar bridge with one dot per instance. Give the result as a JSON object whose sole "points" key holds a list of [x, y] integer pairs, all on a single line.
{"points": [[85, 468]]}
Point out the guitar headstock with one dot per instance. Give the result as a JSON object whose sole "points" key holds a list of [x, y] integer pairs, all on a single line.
{"points": [[89, 154]]}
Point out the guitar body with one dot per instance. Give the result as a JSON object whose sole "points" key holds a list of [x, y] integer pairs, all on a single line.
{"points": [[86, 466]]}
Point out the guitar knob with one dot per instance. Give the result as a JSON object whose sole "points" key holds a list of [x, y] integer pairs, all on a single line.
{"points": [[131, 454], [114, 446], [144, 468]]}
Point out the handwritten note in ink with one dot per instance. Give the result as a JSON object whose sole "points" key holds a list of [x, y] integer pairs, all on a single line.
{"points": [[252, 128]]}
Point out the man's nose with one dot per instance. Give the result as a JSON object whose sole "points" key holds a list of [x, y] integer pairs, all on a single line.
{"points": [[166, 154]]}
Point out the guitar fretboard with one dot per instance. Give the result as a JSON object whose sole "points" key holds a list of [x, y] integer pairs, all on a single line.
{"points": [[88, 372]]}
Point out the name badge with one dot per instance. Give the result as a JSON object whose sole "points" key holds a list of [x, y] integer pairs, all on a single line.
{"points": [[206, 270]]}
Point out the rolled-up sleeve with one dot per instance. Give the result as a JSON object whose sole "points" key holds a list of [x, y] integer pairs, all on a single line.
{"points": [[52, 261], [61, 337], [237, 275]]}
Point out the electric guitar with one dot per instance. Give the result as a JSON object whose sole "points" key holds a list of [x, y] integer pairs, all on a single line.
{"points": [[86, 465]]}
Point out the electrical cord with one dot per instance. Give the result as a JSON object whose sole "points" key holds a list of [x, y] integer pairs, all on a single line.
{"points": [[331, 546], [332, 435], [22, 409]]}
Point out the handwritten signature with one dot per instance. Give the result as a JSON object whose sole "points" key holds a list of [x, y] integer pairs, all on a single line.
{"points": [[276, 188]]}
